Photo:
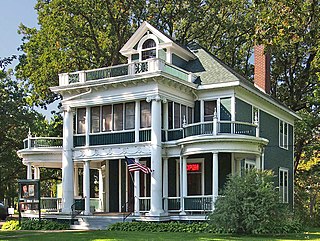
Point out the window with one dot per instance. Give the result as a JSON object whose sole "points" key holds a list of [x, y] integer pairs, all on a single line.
{"points": [[148, 49], [177, 113], [95, 119], [225, 109], [283, 185], [107, 118], [247, 164], [118, 117], [209, 109], [129, 115], [177, 116], [283, 134], [145, 114], [81, 121]]}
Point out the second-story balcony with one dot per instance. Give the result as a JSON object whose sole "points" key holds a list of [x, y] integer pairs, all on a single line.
{"points": [[131, 69]]}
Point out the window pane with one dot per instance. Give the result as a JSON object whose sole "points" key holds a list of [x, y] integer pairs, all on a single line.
{"points": [[118, 117], [225, 109], [149, 43], [170, 115], [81, 121], [95, 119], [145, 114], [177, 115], [209, 107], [189, 120], [107, 118], [148, 54], [129, 120]]}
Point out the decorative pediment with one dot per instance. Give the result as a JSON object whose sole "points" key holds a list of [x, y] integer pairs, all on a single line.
{"points": [[147, 31]]}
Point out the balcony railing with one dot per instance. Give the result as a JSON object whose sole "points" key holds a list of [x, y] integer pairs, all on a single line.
{"points": [[212, 128], [42, 142], [134, 68]]}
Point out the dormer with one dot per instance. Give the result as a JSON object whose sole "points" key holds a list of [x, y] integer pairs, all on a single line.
{"points": [[148, 42]]}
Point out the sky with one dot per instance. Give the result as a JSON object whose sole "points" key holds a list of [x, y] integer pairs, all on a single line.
{"points": [[13, 13]]}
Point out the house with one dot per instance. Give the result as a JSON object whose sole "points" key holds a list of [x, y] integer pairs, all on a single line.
{"points": [[178, 110]]}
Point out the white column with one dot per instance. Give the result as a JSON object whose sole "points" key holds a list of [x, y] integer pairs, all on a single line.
{"points": [[106, 187], [67, 162], [101, 191], [201, 110], [137, 121], [165, 184], [215, 176], [120, 181], [86, 187], [137, 191], [156, 157], [36, 173], [258, 162], [184, 177], [29, 171], [87, 131], [182, 212], [76, 182]]}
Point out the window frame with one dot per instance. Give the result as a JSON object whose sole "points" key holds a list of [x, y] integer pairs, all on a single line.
{"points": [[283, 135], [78, 121], [283, 189]]}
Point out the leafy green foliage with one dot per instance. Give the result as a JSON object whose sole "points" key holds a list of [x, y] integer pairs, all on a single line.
{"points": [[34, 224], [162, 227], [11, 225], [250, 205]]}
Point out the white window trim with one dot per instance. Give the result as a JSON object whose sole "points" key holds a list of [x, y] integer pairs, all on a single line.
{"points": [[284, 199], [142, 40], [253, 113], [282, 136]]}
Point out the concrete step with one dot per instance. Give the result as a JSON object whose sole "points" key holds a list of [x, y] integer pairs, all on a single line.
{"points": [[97, 223]]}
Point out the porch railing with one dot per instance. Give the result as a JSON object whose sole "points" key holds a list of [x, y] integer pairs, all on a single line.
{"points": [[51, 204], [42, 142], [144, 204], [172, 204], [134, 68], [198, 203]]}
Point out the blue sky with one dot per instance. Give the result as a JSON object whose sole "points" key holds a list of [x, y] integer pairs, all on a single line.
{"points": [[13, 13]]}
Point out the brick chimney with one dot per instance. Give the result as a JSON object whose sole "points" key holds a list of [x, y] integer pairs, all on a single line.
{"points": [[262, 69]]}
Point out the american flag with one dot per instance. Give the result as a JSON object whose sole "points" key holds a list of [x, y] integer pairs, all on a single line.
{"points": [[136, 166]]}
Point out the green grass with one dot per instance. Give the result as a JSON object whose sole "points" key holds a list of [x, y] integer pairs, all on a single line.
{"points": [[117, 235]]}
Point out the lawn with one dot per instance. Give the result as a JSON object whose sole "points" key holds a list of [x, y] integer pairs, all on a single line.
{"points": [[116, 235]]}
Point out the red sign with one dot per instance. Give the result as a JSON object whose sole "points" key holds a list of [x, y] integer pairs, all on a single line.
{"points": [[193, 167]]}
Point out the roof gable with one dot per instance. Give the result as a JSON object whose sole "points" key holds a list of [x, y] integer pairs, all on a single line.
{"points": [[164, 42]]}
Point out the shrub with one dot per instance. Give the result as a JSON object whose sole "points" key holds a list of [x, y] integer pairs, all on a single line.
{"points": [[11, 225], [250, 205], [35, 224], [161, 227]]}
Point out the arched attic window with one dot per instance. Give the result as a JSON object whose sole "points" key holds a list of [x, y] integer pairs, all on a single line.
{"points": [[148, 49]]}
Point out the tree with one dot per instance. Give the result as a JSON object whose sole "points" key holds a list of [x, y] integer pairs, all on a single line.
{"points": [[250, 205], [16, 117]]}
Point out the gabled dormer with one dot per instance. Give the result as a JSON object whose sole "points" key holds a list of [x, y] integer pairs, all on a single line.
{"points": [[148, 42]]}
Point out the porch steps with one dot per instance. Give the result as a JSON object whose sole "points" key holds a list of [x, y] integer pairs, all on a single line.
{"points": [[98, 222]]}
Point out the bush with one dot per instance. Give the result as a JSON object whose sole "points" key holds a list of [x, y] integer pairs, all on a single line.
{"points": [[11, 225], [162, 227], [35, 224], [250, 205]]}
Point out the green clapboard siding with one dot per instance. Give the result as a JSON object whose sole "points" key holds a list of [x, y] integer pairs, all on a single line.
{"points": [[162, 54], [243, 111], [276, 157]]}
